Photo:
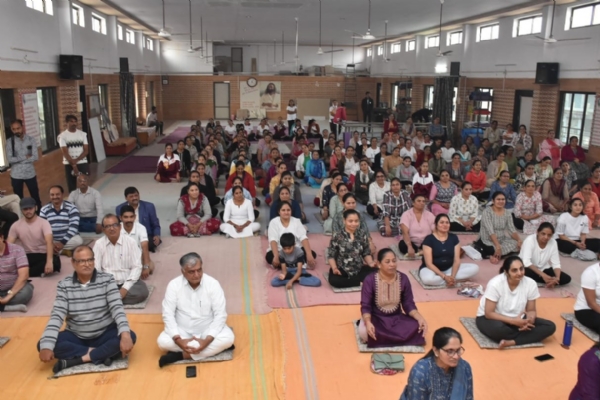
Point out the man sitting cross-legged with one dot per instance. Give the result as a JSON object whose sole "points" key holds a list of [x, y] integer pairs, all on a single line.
{"points": [[97, 330], [145, 214], [64, 220], [15, 290], [35, 235], [130, 227], [194, 315], [120, 256]]}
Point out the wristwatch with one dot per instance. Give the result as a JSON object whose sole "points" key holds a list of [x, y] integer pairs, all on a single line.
{"points": [[146, 267], [10, 292]]}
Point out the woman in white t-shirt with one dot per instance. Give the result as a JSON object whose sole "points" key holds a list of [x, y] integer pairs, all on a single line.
{"points": [[539, 253], [507, 312], [292, 110], [587, 306], [572, 229], [409, 151]]}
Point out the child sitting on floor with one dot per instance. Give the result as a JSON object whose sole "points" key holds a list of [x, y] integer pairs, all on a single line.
{"points": [[292, 260]]}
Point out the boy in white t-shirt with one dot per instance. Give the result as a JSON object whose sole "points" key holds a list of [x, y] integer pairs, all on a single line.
{"points": [[74, 146]]}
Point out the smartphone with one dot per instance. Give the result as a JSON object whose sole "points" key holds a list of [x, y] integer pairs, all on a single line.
{"points": [[544, 357], [190, 372]]}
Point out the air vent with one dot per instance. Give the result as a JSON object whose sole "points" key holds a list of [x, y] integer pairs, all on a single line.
{"points": [[271, 5]]}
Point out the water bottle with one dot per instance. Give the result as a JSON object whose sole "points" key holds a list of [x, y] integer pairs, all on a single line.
{"points": [[567, 334]]}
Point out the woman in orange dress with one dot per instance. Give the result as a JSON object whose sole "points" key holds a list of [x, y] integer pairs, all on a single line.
{"points": [[591, 204]]}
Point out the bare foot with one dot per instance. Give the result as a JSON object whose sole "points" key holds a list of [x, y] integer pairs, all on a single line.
{"points": [[505, 343]]}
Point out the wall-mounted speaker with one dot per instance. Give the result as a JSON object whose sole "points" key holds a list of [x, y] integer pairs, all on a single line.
{"points": [[124, 64], [546, 73], [70, 67]]}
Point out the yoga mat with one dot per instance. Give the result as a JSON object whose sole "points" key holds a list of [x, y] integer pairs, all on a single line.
{"points": [[3, 341], [315, 361], [89, 368], [135, 165], [363, 348], [580, 327], [178, 134], [485, 342], [142, 305], [226, 355]]}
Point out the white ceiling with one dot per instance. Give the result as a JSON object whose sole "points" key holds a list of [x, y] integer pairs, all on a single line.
{"points": [[264, 20]]}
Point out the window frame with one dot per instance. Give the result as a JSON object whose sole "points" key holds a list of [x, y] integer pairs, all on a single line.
{"points": [[449, 38], [580, 135], [432, 37], [428, 96], [101, 21], [49, 141], [380, 50], [488, 104], [411, 43], [397, 47], [517, 25], [149, 43], [47, 6], [370, 52], [78, 15], [129, 36], [571, 11], [491, 26], [120, 32]]}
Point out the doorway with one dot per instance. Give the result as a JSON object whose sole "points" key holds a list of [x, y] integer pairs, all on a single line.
{"points": [[522, 110], [221, 100]]}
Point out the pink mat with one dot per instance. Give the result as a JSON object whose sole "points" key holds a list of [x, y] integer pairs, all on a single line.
{"points": [[323, 295], [178, 134], [239, 267]]}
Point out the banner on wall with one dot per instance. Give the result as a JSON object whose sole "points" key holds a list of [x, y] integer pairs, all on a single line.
{"points": [[31, 116], [265, 95]]}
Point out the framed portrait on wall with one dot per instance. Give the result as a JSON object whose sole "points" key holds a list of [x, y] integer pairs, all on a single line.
{"points": [[270, 95], [93, 106]]}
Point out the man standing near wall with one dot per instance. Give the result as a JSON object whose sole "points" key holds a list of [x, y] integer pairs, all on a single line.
{"points": [[332, 124], [74, 146], [22, 151], [367, 108], [152, 120]]}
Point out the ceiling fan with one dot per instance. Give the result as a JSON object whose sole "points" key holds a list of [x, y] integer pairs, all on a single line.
{"points": [[441, 53], [368, 35], [164, 32], [550, 38]]}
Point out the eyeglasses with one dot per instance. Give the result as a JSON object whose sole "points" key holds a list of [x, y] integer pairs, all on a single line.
{"points": [[452, 353], [112, 226], [87, 261]]}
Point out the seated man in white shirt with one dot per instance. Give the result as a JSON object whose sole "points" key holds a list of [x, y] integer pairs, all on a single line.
{"points": [[89, 204], [152, 120], [120, 256], [194, 314], [137, 231]]}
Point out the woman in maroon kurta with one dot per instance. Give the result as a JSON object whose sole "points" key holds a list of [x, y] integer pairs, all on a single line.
{"points": [[389, 314]]}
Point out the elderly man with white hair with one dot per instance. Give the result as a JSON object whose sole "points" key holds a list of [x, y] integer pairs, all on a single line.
{"points": [[194, 315]]}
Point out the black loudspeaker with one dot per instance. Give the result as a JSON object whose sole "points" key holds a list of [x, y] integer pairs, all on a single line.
{"points": [[546, 73], [454, 68], [124, 64], [71, 67]]}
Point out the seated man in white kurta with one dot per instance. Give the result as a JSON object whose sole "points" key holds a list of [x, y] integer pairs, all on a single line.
{"points": [[194, 315]]}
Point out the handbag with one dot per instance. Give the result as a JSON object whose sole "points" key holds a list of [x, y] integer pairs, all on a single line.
{"points": [[387, 364]]}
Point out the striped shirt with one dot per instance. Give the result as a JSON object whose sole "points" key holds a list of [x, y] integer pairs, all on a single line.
{"points": [[11, 261], [88, 309], [89, 203], [64, 223], [123, 260]]}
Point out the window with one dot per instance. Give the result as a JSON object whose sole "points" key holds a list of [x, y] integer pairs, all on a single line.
{"points": [[7, 103], [48, 117], [369, 52], [129, 36], [576, 117], [137, 103], [454, 38], [379, 50], [432, 42], [44, 6], [485, 106], [149, 44], [579, 17], [119, 32], [488, 32], [396, 48], [77, 13], [428, 97], [411, 45], [528, 26], [98, 24]]}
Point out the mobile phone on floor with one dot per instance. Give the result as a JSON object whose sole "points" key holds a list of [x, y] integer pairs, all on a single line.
{"points": [[190, 372], [544, 357]]}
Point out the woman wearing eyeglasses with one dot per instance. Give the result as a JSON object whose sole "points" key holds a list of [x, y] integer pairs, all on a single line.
{"points": [[442, 373], [507, 312]]}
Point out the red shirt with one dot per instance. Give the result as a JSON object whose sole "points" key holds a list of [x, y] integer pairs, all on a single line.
{"points": [[478, 181]]}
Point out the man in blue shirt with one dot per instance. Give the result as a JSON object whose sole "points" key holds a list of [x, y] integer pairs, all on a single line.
{"points": [[145, 214]]}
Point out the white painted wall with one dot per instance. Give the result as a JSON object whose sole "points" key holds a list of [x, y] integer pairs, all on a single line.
{"points": [[578, 59], [52, 35], [175, 58]]}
